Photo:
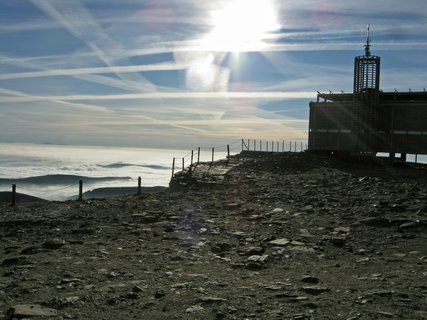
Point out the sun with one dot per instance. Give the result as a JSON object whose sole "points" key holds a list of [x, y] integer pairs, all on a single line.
{"points": [[242, 25]]}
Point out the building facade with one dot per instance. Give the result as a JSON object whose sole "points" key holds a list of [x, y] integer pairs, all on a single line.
{"points": [[369, 120]]}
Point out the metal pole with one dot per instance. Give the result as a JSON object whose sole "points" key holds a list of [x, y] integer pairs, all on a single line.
{"points": [[198, 154], [260, 145], [182, 164], [278, 146], [242, 144], [13, 194], [266, 146], [213, 153], [283, 146], [192, 155], [290, 146], [139, 185], [173, 167], [80, 190], [228, 152], [295, 146], [301, 146]]}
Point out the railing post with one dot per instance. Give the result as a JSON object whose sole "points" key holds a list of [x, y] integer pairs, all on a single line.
{"points": [[243, 143], [260, 145], [290, 146], [139, 185], [266, 146], [254, 144], [198, 155], [192, 155], [278, 146], [228, 153], [213, 154], [295, 146], [13, 194], [283, 146], [173, 167], [301, 146], [80, 190], [182, 164]]}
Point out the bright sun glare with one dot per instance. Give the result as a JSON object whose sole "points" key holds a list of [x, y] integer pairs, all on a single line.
{"points": [[242, 25]]}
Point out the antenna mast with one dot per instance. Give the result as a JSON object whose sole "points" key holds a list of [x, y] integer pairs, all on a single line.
{"points": [[368, 44]]}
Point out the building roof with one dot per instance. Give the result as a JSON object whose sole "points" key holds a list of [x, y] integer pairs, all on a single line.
{"points": [[384, 96]]}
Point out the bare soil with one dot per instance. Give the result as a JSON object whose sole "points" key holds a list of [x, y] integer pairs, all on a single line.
{"points": [[263, 236]]}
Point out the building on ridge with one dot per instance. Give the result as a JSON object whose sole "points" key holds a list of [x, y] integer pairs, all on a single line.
{"points": [[369, 121]]}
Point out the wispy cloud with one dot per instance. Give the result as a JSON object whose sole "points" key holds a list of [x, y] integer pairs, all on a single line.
{"points": [[169, 95], [95, 70], [90, 32], [11, 94]]}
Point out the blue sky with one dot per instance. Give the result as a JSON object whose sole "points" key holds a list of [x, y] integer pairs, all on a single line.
{"points": [[183, 73]]}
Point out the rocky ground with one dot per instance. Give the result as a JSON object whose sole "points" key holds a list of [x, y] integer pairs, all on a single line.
{"points": [[265, 236]]}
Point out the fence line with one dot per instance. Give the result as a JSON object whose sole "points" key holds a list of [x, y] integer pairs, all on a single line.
{"points": [[13, 198], [273, 146], [232, 148], [200, 154]]}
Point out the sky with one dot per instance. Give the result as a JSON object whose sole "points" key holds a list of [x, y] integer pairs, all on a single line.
{"points": [[186, 73]]}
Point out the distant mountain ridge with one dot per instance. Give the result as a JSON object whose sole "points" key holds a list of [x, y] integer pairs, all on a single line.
{"points": [[6, 196], [116, 191], [123, 165]]}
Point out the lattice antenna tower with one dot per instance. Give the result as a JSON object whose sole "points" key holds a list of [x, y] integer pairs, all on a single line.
{"points": [[366, 70]]}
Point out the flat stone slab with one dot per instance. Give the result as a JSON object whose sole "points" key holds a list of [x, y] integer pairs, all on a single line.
{"points": [[280, 242], [32, 310]]}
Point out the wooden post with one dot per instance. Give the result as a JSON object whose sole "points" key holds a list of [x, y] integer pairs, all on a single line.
{"points": [[13, 194], [198, 154], [139, 185], [290, 146], [301, 147], [213, 153], [80, 190], [228, 153], [295, 146], [192, 155], [182, 164], [173, 167]]}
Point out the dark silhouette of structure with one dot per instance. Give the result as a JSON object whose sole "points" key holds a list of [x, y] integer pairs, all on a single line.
{"points": [[369, 120]]}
